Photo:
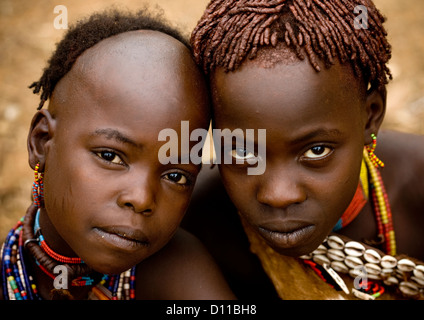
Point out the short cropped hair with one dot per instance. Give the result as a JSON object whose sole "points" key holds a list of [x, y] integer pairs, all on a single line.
{"points": [[87, 33]]}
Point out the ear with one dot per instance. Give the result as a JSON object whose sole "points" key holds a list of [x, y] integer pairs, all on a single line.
{"points": [[39, 138], [375, 107]]}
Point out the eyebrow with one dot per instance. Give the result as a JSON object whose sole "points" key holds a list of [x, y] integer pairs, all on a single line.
{"points": [[114, 134], [330, 133]]}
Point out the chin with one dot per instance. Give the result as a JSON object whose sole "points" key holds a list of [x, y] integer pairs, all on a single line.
{"points": [[292, 252], [108, 266], [110, 270]]}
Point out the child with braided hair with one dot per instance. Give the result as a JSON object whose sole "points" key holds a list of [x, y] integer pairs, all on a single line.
{"points": [[315, 78], [105, 219]]}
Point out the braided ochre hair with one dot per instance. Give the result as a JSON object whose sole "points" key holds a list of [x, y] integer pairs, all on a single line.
{"points": [[232, 30]]}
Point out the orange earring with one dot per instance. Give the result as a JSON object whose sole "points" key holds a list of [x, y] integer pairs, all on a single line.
{"points": [[375, 161], [37, 187]]}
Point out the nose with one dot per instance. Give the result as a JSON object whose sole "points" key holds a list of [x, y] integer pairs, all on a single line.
{"points": [[138, 194], [281, 188]]}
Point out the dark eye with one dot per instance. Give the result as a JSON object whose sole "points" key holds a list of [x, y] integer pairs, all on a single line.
{"points": [[317, 152], [177, 177], [110, 157]]}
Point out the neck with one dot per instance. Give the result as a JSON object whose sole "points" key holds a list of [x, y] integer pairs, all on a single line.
{"points": [[44, 267], [52, 237], [363, 227], [374, 224], [45, 284]]}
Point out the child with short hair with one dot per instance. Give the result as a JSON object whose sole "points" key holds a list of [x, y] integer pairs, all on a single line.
{"points": [[105, 219], [314, 76]]}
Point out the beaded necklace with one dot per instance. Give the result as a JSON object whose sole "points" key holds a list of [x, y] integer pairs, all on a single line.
{"points": [[370, 176], [18, 284], [358, 202], [372, 183], [383, 212], [79, 281]]}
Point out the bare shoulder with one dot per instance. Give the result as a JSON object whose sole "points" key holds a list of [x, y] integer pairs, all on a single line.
{"points": [[403, 154], [403, 174], [403, 177], [408, 142], [182, 270]]}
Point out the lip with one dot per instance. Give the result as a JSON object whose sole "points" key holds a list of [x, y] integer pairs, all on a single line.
{"points": [[288, 236], [122, 237]]}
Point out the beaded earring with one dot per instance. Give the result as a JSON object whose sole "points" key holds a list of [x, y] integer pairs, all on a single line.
{"points": [[375, 161], [37, 186]]}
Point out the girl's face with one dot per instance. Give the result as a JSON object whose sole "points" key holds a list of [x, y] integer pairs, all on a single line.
{"points": [[315, 126], [108, 199]]}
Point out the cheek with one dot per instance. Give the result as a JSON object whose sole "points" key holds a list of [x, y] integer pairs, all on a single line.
{"points": [[62, 206], [239, 187], [57, 184], [70, 193], [67, 187], [171, 210], [335, 191]]}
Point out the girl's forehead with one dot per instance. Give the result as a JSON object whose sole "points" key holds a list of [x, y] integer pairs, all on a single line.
{"points": [[149, 71], [290, 95], [295, 81]]}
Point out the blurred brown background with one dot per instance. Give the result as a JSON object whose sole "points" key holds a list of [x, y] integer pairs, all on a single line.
{"points": [[28, 37]]}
